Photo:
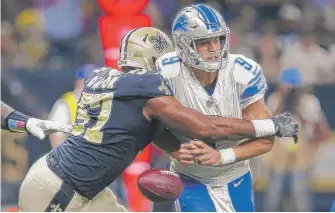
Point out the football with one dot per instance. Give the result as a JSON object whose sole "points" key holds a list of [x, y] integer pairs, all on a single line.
{"points": [[160, 185]]}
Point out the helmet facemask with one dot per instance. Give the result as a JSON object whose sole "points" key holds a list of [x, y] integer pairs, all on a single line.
{"points": [[190, 55]]}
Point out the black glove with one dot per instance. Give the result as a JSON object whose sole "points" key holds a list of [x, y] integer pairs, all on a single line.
{"points": [[286, 126]]}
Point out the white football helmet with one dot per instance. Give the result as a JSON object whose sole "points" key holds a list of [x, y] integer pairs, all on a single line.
{"points": [[198, 22]]}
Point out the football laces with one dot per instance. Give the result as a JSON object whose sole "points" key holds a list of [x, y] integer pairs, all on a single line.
{"points": [[165, 172]]}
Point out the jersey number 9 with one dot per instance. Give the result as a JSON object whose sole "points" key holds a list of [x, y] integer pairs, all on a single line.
{"points": [[243, 63]]}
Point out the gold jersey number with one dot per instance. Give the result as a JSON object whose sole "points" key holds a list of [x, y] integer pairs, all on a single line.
{"points": [[89, 126]]}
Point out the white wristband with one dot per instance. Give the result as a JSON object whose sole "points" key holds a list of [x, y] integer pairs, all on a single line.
{"points": [[264, 128], [227, 156]]}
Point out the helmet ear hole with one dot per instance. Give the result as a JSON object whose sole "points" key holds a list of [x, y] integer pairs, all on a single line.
{"points": [[128, 68], [223, 40], [154, 59]]}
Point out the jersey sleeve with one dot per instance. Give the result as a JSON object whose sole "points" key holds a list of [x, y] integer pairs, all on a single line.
{"points": [[147, 85], [255, 85]]}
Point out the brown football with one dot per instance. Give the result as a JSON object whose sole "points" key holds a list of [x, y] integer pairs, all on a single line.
{"points": [[160, 185]]}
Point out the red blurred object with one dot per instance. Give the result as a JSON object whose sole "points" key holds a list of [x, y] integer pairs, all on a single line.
{"points": [[136, 200], [12, 209], [112, 29], [123, 7]]}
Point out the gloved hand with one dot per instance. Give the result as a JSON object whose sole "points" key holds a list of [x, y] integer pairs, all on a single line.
{"points": [[286, 126], [41, 128]]}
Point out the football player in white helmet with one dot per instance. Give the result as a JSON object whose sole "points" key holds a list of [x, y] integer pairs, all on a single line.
{"points": [[206, 77]]}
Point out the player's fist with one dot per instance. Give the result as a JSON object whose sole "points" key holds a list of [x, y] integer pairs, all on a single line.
{"points": [[184, 154], [41, 128], [205, 155], [286, 126]]}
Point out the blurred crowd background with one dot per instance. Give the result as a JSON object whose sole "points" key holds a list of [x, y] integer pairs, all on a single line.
{"points": [[44, 42]]}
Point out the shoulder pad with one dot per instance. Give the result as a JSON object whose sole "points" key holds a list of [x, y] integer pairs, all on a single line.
{"points": [[245, 69], [168, 65], [140, 71], [102, 69], [146, 84]]}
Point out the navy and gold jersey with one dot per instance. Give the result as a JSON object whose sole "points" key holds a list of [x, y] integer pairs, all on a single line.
{"points": [[110, 128]]}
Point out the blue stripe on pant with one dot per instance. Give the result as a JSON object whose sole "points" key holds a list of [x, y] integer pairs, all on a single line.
{"points": [[241, 193], [333, 207], [196, 198]]}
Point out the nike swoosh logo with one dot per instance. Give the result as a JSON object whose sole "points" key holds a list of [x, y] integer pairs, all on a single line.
{"points": [[238, 183]]}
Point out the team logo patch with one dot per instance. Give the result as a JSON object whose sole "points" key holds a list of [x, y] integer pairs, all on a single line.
{"points": [[160, 44], [56, 208]]}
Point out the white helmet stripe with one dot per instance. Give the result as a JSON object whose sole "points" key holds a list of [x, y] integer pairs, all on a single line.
{"points": [[202, 14]]}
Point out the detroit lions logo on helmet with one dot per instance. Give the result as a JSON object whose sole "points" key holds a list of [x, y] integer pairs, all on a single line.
{"points": [[160, 44], [181, 24]]}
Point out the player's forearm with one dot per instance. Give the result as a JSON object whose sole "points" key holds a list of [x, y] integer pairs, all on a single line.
{"points": [[222, 127], [166, 141], [12, 120], [247, 150], [253, 148], [219, 127], [211, 129], [5, 111]]}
